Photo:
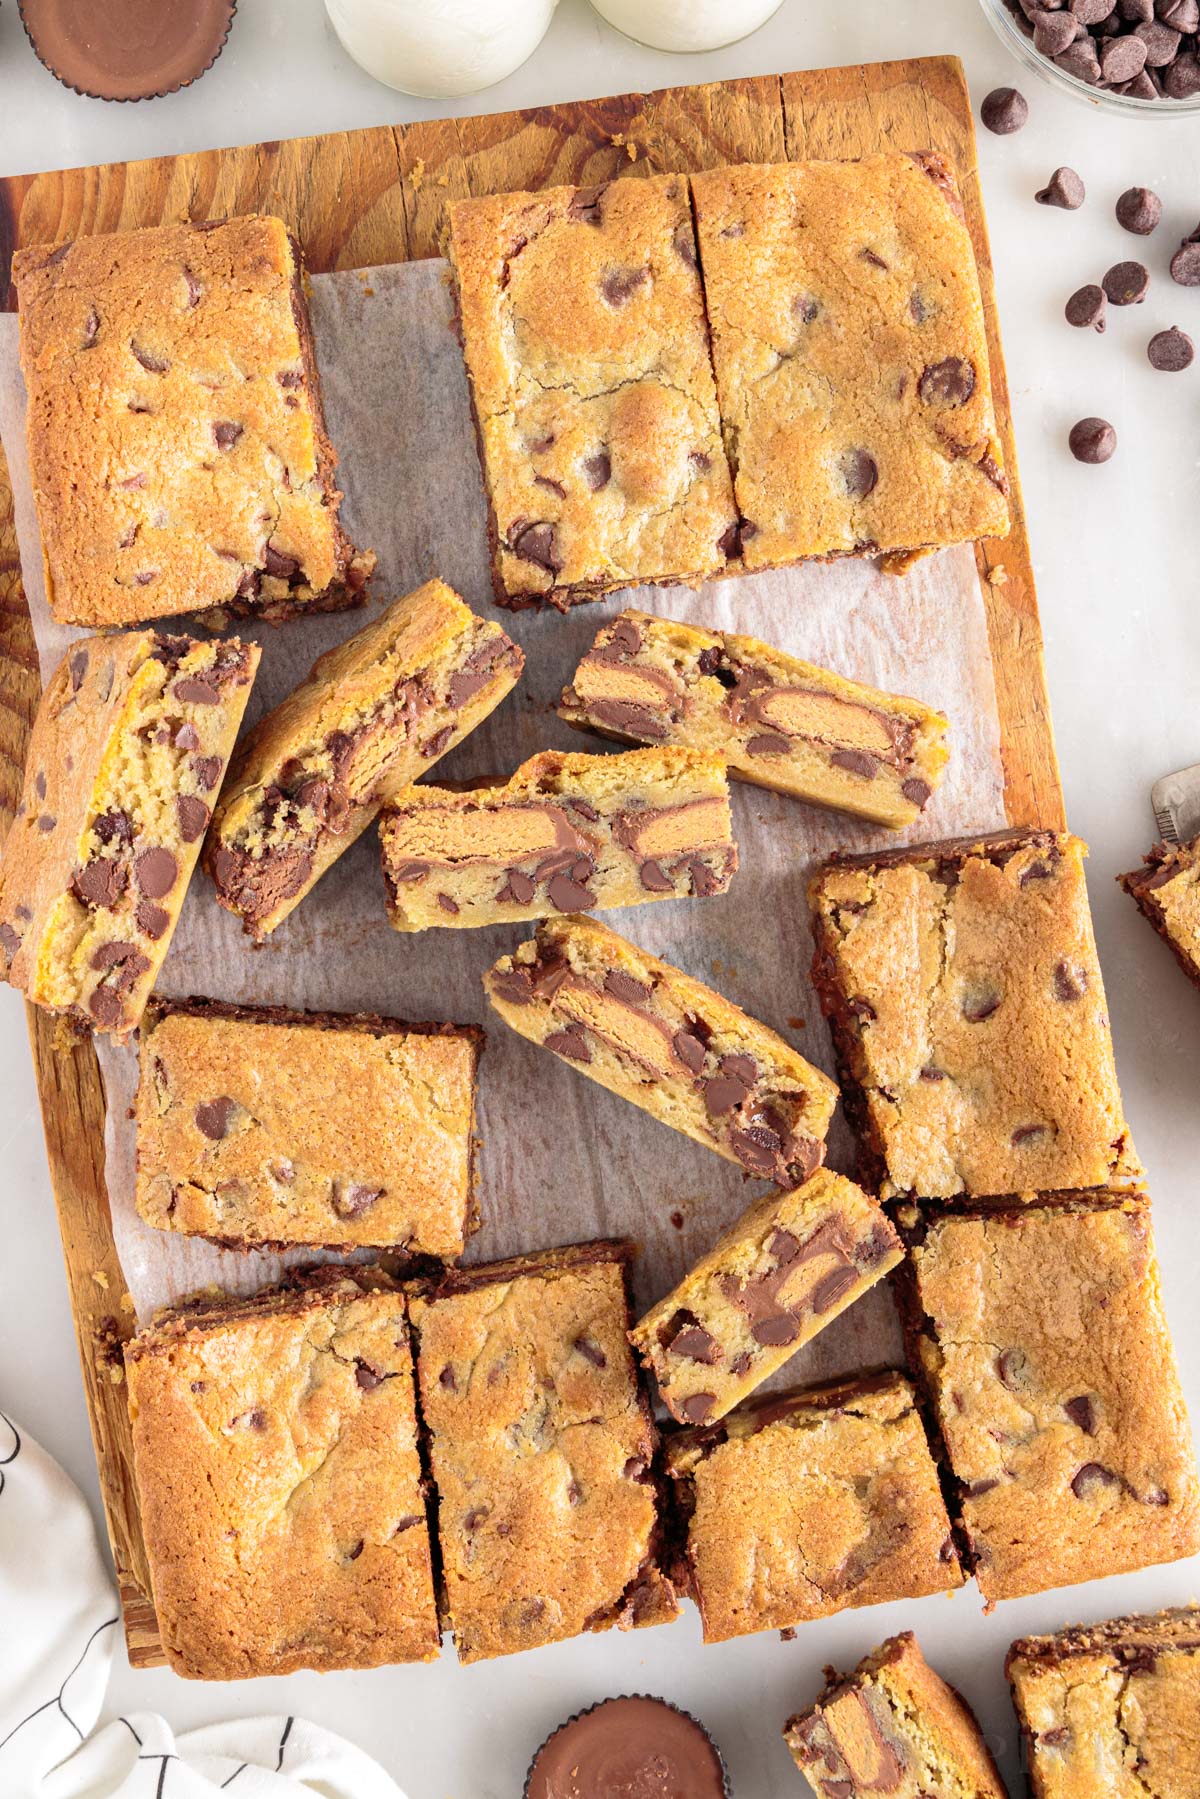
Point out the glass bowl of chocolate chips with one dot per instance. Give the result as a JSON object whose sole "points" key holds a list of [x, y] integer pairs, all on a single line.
{"points": [[1127, 56]]}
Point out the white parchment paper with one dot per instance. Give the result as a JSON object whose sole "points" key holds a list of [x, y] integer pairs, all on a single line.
{"points": [[561, 1160]]}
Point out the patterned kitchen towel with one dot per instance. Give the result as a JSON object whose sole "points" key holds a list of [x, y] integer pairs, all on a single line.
{"points": [[59, 1621]]}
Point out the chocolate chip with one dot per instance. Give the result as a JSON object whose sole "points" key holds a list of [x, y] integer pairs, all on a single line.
{"points": [[598, 469], [591, 1352], [1092, 440], [856, 762], [226, 433], [697, 1407], [106, 1007], [1093, 1477], [213, 1117], [518, 889], [1004, 111], [1082, 1412], [1055, 32], [1088, 306], [536, 543], [155, 871], [350, 1199], [874, 258], [1122, 59], [1185, 264], [447, 904], [1081, 59], [948, 383], [514, 984], [1027, 1133], [833, 1289], [1171, 351], [447, 1379], [1139, 210], [195, 690], [10, 942], [689, 1049], [78, 666], [685, 245], [151, 919], [100, 883], [777, 1331], [155, 365], [654, 878], [1012, 1366], [568, 892], [570, 1043], [1127, 283], [367, 1377], [860, 474], [279, 564], [916, 791], [1182, 80], [193, 816], [1070, 982], [980, 1004], [694, 1343], [624, 988], [757, 1147], [975, 1489], [1064, 189], [619, 285]]}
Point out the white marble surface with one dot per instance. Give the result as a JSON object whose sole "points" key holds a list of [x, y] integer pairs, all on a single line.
{"points": [[1116, 560]]}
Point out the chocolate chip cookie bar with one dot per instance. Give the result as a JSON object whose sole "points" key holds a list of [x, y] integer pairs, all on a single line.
{"points": [[892, 1726], [968, 1014], [801, 1504], [177, 443], [565, 834], [541, 1445], [784, 1271], [1112, 1710], [125, 759], [1167, 892], [1034, 1330], [780, 723], [281, 1492], [373, 714], [674, 1047], [266, 1127], [587, 353], [851, 358]]}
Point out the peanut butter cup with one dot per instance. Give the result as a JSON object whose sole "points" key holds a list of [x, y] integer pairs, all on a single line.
{"points": [[127, 49]]}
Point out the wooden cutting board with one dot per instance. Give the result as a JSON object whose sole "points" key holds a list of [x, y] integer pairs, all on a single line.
{"points": [[364, 197]]}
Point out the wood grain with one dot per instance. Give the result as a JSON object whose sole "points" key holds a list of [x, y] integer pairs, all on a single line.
{"points": [[357, 198]]}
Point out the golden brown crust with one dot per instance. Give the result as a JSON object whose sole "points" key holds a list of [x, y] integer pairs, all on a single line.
{"points": [[784, 1271], [259, 1127], [669, 1044], [1034, 1331], [892, 1727], [275, 1448], [967, 1005], [565, 833], [541, 1445], [125, 759], [801, 1504], [781, 723], [373, 714], [173, 407], [1122, 1696], [587, 352], [850, 350]]}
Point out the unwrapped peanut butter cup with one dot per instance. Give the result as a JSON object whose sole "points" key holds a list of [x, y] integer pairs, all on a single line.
{"points": [[127, 49], [634, 1747]]}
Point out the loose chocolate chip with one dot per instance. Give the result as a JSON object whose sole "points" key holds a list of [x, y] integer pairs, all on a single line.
{"points": [[518, 889], [697, 1407], [279, 564], [193, 816], [591, 1352], [624, 988], [1070, 982], [1004, 111], [570, 1043], [1064, 189], [226, 433], [1127, 283], [776, 1332], [1081, 59], [1122, 59], [767, 744], [860, 474], [619, 285], [151, 920], [1088, 306], [1092, 440], [1055, 32], [213, 1117], [1185, 264], [1171, 351], [1082, 1412], [598, 470], [948, 383], [537, 543], [1139, 210], [689, 1049], [155, 871], [100, 883], [1182, 80], [195, 690], [1092, 1478], [856, 762], [916, 791]]}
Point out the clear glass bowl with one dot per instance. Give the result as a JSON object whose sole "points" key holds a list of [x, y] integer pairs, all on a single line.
{"points": [[1127, 105]]}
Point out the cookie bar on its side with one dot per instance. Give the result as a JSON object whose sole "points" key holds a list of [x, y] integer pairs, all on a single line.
{"points": [[587, 354], [781, 723], [263, 1127], [176, 438], [541, 1444], [281, 1492], [784, 1271], [967, 1006], [801, 1504], [850, 349], [564, 834], [1112, 1710], [892, 1726], [125, 760], [1167, 892], [674, 1047], [373, 714], [1035, 1331]]}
